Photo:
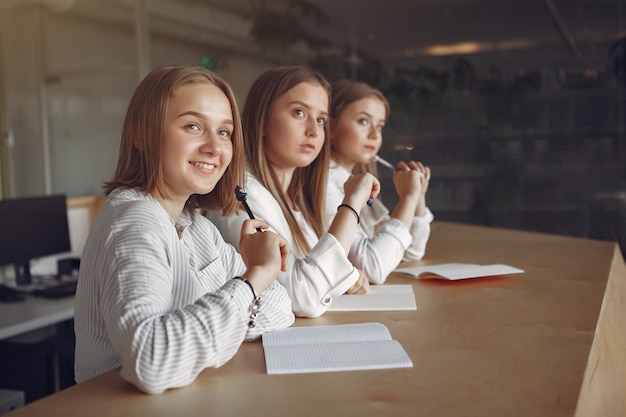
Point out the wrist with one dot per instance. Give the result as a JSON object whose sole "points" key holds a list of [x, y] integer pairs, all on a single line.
{"points": [[255, 306]]}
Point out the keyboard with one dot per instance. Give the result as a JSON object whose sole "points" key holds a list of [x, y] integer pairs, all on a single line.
{"points": [[10, 294], [63, 289]]}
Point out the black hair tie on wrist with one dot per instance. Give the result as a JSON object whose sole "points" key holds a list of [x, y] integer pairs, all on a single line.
{"points": [[358, 219]]}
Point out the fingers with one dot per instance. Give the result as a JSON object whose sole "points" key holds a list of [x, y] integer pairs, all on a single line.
{"points": [[284, 253], [250, 226], [375, 187], [359, 188], [362, 286], [417, 166]]}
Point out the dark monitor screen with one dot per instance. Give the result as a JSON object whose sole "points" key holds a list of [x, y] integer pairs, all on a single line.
{"points": [[32, 228]]}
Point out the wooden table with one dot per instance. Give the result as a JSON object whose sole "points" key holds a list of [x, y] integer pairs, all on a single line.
{"points": [[518, 345]]}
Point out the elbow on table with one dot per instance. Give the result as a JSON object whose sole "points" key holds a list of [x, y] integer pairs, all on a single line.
{"points": [[150, 384], [310, 310]]}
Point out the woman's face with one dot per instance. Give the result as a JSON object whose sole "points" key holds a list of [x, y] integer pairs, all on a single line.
{"points": [[198, 146], [357, 135], [294, 132]]}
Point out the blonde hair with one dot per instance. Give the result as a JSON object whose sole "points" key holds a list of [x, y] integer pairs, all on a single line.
{"points": [[345, 92], [308, 185], [140, 162]]}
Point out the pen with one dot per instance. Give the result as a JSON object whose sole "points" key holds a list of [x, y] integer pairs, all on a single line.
{"points": [[241, 196], [381, 161]]}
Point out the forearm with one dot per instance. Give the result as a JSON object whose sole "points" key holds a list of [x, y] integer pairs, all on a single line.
{"points": [[344, 224], [405, 209], [162, 351], [379, 255], [276, 312]]}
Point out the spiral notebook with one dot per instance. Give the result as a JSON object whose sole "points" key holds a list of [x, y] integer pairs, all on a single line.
{"points": [[331, 348]]}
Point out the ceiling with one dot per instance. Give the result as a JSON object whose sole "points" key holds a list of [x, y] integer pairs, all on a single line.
{"points": [[513, 34]]}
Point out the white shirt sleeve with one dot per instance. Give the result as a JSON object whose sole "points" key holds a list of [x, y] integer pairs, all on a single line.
{"points": [[377, 256], [313, 281]]}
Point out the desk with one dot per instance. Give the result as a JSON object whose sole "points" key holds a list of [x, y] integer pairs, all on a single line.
{"points": [[33, 314], [520, 345]]}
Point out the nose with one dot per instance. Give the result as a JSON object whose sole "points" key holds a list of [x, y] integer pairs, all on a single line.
{"points": [[211, 145], [374, 133], [313, 128]]}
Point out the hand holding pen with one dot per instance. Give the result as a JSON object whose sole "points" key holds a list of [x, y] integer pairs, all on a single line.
{"points": [[264, 252], [241, 196]]}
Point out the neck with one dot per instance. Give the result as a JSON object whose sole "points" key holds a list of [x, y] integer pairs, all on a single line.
{"points": [[172, 207], [284, 176], [344, 163]]}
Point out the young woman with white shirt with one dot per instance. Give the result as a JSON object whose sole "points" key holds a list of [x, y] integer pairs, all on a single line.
{"points": [[156, 293], [285, 120], [383, 239]]}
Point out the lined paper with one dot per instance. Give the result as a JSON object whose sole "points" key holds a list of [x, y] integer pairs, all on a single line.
{"points": [[343, 347]]}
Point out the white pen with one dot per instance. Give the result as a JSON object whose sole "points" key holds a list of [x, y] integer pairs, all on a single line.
{"points": [[381, 161]]}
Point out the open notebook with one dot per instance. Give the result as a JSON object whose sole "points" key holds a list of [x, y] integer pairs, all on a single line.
{"points": [[384, 297], [341, 347], [454, 271]]}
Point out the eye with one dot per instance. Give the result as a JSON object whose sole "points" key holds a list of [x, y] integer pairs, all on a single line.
{"points": [[322, 121], [193, 126], [299, 112], [363, 122], [224, 133], [380, 128]]}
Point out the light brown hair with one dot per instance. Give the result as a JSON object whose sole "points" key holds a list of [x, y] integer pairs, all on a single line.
{"points": [[346, 92], [140, 163], [308, 185]]}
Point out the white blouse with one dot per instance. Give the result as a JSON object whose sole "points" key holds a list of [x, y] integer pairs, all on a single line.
{"points": [[312, 281], [160, 306], [381, 242]]}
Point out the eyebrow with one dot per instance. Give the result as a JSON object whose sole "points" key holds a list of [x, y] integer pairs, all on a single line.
{"points": [[201, 116], [368, 115]]}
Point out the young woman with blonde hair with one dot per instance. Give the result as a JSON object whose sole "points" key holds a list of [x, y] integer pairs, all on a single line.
{"points": [[285, 121], [160, 294]]}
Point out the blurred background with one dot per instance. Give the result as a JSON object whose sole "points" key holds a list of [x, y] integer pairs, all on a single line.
{"points": [[517, 106]]}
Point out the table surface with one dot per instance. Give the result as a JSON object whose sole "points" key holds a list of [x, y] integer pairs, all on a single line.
{"points": [[32, 314], [515, 345]]}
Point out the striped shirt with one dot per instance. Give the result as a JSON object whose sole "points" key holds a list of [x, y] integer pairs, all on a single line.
{"points": [[160, 306]]}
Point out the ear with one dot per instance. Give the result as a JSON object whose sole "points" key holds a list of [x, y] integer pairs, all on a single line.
{"points": [[138, 145]]}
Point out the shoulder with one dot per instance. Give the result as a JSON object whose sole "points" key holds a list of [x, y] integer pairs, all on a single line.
{"points": [[132, 213]]}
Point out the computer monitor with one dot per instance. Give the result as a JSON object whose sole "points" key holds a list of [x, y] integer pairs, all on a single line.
{"points": [[31, 228]]}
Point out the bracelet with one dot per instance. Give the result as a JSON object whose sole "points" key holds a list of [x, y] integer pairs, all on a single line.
{"points": [[358, 219], [256, 303]]}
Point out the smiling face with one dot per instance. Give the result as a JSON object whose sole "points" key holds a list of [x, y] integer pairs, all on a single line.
{"points": [[357, 135], [197, 146], [294, 132]]}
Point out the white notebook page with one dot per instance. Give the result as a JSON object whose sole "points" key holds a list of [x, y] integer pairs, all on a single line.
{"points": [[344, 347], [385, 297]]}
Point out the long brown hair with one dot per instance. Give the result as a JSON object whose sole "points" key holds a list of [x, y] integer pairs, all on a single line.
{"points": [[308, 185], [345, 92], [140, 163]]}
